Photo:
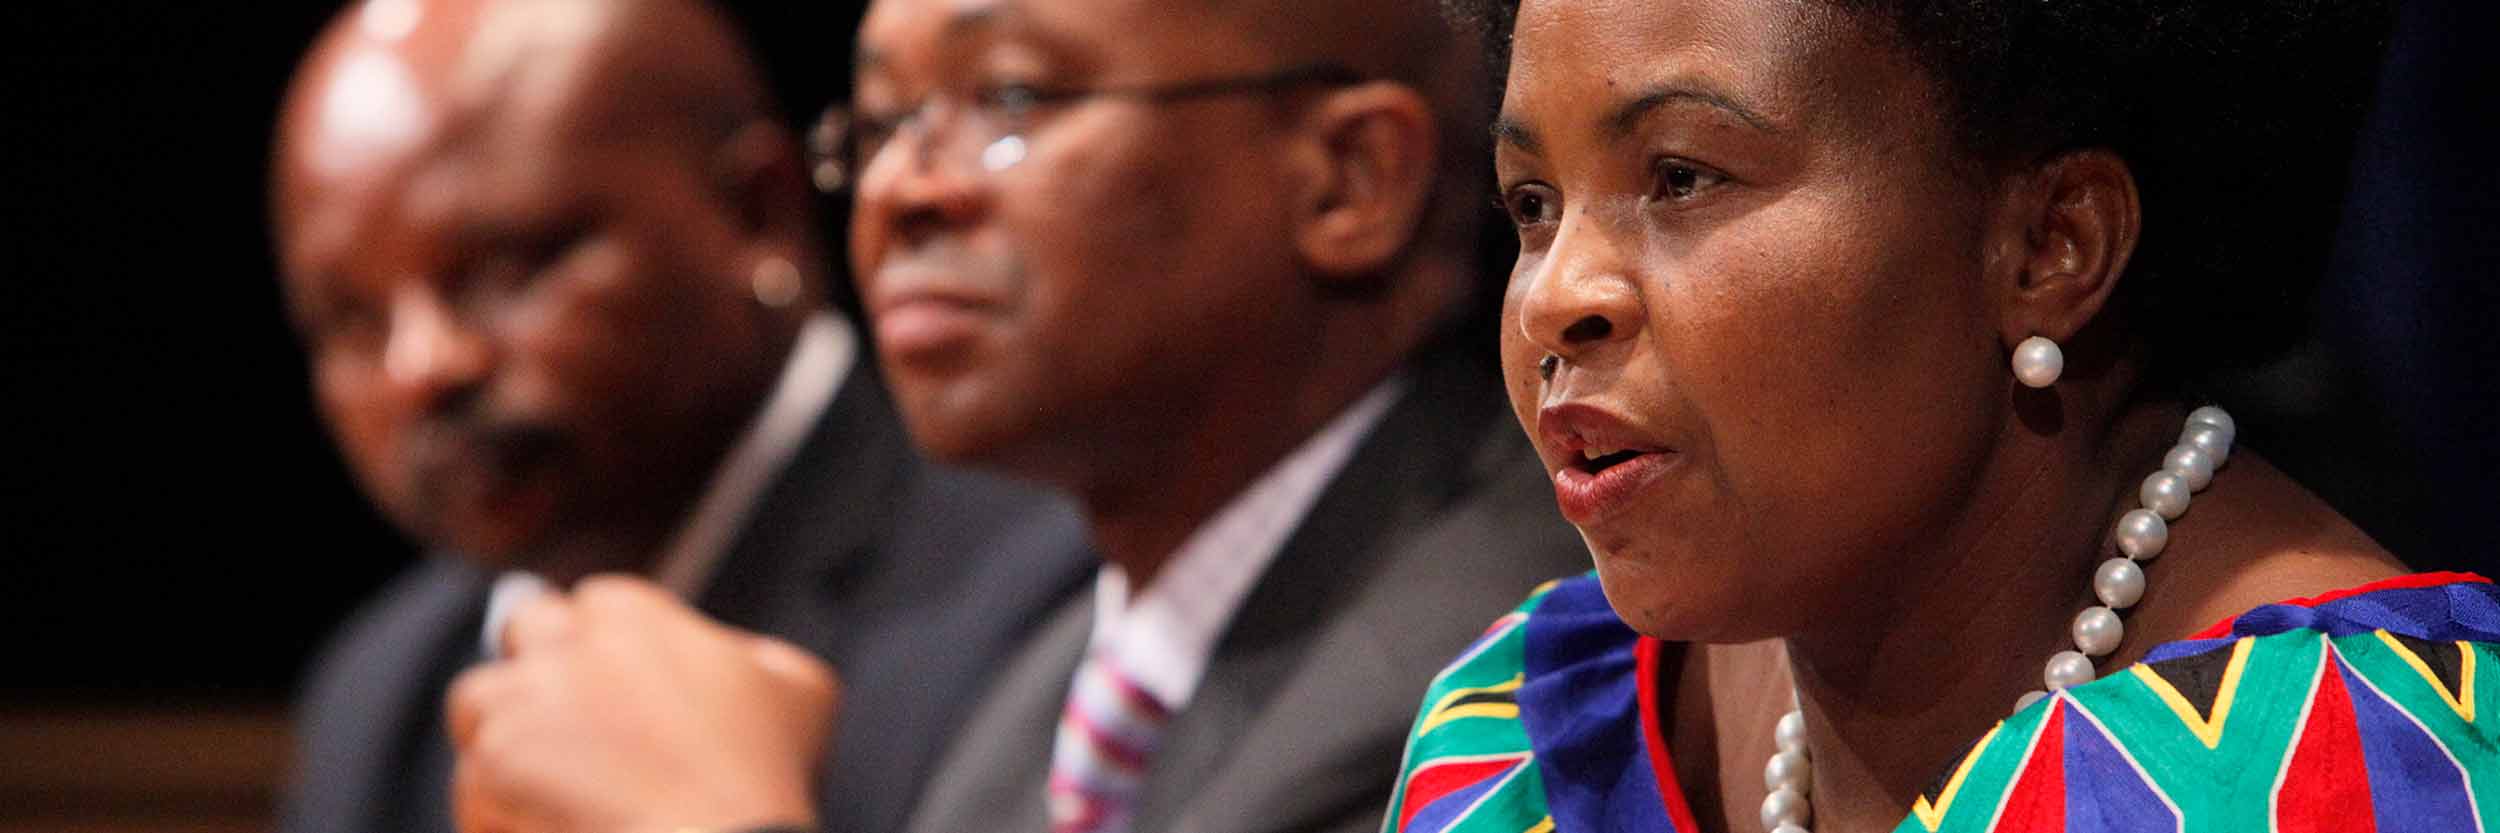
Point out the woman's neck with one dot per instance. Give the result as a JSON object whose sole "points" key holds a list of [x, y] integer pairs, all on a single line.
{"points": [[1894, 689]]}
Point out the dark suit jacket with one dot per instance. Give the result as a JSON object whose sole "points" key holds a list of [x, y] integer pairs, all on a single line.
{"points": [[914, 580], [1441, 520]]}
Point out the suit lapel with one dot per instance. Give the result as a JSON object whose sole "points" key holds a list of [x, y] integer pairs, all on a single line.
{"points": [[820, 521], [1419, 456], [994, 775], [369, 726]]}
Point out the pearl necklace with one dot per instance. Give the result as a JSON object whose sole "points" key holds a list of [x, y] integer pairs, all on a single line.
{"points": [[2141, 534]]}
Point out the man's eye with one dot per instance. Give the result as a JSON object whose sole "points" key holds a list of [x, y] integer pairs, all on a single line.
{"points": [[869, 133], [1679, 180], [1529, 206], [1009, 99], [354, 326]]}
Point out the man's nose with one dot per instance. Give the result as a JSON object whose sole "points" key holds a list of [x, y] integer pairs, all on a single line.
{"points": [[431, 355], [910, 191]]}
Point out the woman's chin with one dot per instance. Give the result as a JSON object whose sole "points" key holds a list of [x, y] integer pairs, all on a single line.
{"points": [[1669, 601]]}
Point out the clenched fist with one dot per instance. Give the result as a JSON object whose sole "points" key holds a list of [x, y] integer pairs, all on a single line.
{"points": [[620, 710]]}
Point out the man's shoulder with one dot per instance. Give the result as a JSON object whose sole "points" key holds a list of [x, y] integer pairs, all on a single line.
{"points": [[410, 617]]}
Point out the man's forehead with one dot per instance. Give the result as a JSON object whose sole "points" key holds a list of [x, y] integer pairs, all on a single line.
{"points": [[398, 76], [895, 30]]}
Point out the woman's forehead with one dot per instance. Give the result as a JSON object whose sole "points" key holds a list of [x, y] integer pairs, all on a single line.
{"points": [[1776, 65]]}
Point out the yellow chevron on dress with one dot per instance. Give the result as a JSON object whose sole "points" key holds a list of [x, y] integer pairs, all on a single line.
{"points": [[2462, 699], [1499, 700], [2208, 728], [1545, 826], [1931, 814]]}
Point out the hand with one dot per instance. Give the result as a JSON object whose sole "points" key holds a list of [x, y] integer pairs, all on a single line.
{"points": [[618, 709]]}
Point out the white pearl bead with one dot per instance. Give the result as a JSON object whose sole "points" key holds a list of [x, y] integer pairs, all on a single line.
{"points": [[2208, 439], [2142, 534], [2038, 362], [1791, 733], [2097, 631], [2119, 583], [1784, 807], [1789, 828], [2028, 698], [2067, 670], [2216, 417], [1789, 771], [2191, 464], [2166, 494]]}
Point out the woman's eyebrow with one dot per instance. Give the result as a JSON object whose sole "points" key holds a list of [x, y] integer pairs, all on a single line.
{"points": [[1513, 132], [1629, 114]]}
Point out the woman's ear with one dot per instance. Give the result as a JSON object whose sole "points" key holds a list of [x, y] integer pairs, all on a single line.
{"points": [[2079, 217], [1372, 179]]}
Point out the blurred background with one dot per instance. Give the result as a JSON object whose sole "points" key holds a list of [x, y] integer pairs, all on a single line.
{"points": [[176, 535]]}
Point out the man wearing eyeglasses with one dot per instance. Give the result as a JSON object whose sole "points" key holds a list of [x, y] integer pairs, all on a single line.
{"points": [[560, 285], [1210, 267]]}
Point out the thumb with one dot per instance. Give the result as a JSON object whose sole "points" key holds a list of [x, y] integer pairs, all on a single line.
{"points": [[797, 671]]}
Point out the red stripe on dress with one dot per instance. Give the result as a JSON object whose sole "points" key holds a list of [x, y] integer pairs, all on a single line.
{"points": [[2404, 582], [2326, 787], [1654, 737], [2037, 804]]}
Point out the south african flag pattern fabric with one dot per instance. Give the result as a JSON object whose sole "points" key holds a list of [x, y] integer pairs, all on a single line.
{"points": [[2360, 711]]}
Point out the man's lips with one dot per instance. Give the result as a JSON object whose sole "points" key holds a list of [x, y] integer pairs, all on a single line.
{"points": [[920, 325], [920, 314], [1600, 461], [502, 478]]}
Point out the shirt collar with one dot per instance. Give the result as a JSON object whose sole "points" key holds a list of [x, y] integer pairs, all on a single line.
{"points": [[1164, 638], [827, 348], [823, 358]]}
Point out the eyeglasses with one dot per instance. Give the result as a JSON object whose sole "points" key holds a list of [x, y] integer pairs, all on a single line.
{"points": [[991, 126]]}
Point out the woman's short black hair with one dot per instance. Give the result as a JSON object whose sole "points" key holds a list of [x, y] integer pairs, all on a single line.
{"points": [[2237, 118]]}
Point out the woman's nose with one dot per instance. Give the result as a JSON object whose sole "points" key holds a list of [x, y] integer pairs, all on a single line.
{"points": [[1581, 298]]}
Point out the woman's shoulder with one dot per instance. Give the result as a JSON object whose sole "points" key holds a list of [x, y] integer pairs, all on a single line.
{"points": [[2313, 713], [1554, 686]]}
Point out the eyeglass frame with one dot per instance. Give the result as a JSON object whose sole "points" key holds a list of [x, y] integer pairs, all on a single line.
{"points": [[834, 161]]}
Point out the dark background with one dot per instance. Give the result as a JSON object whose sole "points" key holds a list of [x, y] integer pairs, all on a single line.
{"points": [[175, 528], [173, 522]]}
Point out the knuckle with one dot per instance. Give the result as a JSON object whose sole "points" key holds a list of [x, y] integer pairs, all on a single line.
{"points": [[613, 591]]}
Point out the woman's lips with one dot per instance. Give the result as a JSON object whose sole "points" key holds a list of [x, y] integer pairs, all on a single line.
{"points": [[1588, 497], [1605, 460]]}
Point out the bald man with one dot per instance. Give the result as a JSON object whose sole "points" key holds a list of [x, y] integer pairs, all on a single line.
{"points": [[1209, 267], [554, 265]]}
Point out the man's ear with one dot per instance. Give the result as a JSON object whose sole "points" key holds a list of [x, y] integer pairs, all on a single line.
{"points": [[2079, 218], [761, 181], [1372, 174]]}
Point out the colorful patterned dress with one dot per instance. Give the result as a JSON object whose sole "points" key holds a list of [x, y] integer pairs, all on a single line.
{"points": [[2353, 711]]}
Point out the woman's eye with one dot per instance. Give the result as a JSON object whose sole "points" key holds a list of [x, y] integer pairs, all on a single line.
{"points": [[1529, 206], [1679, 180]]}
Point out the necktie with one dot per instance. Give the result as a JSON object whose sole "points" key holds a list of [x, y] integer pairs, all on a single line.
{"points": [[1098, 762]]}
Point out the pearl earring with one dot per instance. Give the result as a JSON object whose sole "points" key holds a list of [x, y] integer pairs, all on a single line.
{"points": [[2037, 362], [775, 283]]}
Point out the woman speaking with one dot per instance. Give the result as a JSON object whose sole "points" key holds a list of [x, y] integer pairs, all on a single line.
{"points": [[1861, 340]]}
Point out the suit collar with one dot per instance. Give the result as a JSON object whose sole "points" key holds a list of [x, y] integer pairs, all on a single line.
{"points": [[367, 722], [1425, 454], [818, 363], [823, 518]]}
